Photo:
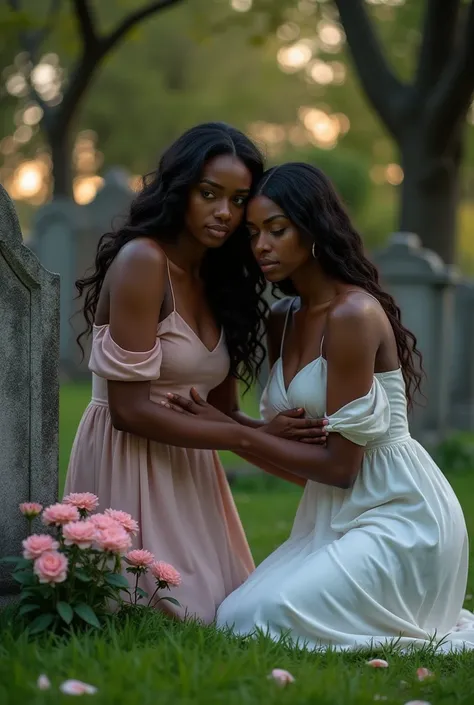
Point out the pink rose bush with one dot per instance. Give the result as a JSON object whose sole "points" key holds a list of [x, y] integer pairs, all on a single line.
{"points": [[102, 521], [34, 546], [165, 573], [79, 533], [72, 576], [60, 514], [124, 519], [140, 558], [86, 502], [51, 567], [31, 509]]}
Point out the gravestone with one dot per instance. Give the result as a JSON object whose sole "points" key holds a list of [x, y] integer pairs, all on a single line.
{"points": [[29, 402], [462, 368], [423, 287], [65, 237]]}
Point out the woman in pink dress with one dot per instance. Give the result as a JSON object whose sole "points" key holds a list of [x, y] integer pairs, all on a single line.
{"points": [[175, 301]]}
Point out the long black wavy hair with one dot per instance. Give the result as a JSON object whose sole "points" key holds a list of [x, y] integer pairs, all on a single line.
{"points": [[233, 281], [310, 201]]}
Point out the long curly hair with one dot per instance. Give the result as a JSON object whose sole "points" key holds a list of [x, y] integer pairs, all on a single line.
{"points": [[310, 201], [233, 281]]}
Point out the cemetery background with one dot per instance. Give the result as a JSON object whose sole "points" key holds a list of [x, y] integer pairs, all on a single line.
{"points": [[177, 81]]}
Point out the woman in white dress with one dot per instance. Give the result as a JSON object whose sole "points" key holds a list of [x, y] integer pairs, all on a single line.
{"points": [[379, 549]]}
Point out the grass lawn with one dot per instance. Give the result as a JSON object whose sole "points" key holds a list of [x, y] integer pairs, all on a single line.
{"points": [[152, 661]]}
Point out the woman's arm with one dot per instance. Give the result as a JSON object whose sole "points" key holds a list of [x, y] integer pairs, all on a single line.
{"points": [[353, 336], [225, 398], [136, 292], [273, 469]]}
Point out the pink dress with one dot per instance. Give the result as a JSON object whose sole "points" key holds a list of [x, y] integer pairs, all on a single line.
{"points": [[180, 496]]}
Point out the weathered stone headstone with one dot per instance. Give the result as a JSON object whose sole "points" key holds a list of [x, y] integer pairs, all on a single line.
{"points": [[65, 237], [462, 369], [423, 287], [29, 403]]}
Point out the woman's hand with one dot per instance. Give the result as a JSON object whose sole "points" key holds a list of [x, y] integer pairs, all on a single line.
{"points": [[292, 426], [288, 424], [195, 406]]}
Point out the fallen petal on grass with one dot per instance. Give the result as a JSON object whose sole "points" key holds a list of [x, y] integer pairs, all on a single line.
{"points": [[43, 682], [281, 677], [423, 673], [73, 687], [378, 663]]}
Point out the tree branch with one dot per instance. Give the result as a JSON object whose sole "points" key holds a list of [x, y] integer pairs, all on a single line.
{"points": [[89, 61], [131, 20], [452, 95], [439, 31], [31, 41], [85, 21], [383, 89]]}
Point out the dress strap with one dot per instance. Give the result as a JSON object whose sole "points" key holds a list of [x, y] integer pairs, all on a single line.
{"points": [[170, 283], [321, 347], [349, 291], [288, 314], [359, 291]]}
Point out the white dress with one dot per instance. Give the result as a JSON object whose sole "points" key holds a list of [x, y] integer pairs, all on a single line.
{"points": [[383, 561]]}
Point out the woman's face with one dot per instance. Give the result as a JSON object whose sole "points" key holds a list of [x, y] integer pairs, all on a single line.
{"points": [[216, 204], [276, 243]]}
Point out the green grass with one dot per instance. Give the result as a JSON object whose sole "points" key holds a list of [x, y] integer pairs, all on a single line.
{"points": [[73, 399], [150, 660]]}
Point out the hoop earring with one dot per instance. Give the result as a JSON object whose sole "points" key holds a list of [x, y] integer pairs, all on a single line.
{"points": [[313, 251]]}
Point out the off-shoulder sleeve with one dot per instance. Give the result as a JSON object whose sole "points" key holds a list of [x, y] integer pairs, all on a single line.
{"points": [[110, 361], [365, 419]]}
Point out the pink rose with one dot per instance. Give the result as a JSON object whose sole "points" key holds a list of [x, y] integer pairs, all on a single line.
{"points": [[82, 500], [114, 539], [140, 558], [51, 567], [102, 522], [166, 573], [124, 519], [59, 514], [30, 509], [80, 533], [36, 544], [281, 677]]}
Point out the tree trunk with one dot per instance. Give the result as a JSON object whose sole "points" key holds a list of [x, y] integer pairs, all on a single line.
{"points": [[430, 192], [61, 155]]}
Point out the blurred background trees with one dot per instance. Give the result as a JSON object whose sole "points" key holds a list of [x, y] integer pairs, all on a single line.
{"points": [[349, 85]]}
